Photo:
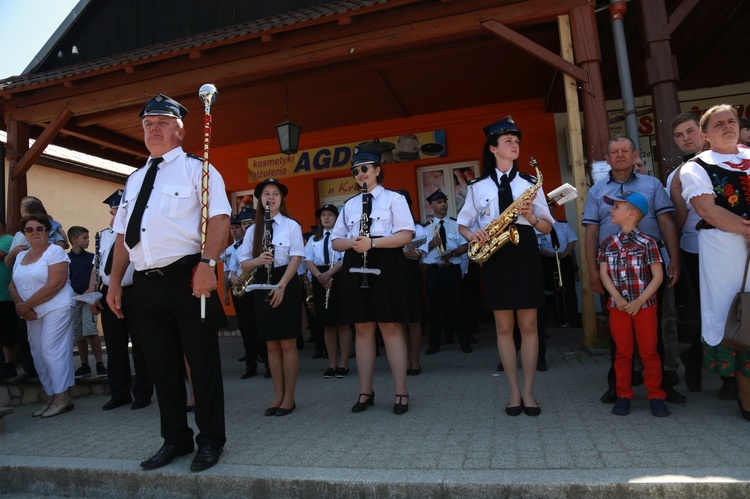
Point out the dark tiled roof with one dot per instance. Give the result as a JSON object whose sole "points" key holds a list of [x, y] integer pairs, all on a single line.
{"points": [[192, 42]]}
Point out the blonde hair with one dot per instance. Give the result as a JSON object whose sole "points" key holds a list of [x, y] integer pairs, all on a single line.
{"points": [[713, 110]]}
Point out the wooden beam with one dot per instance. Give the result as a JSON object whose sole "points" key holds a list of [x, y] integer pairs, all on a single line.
{"points": [[95, 96], [42, 142], [17, 146], [107, 139], [534, 49], [679, 15]]}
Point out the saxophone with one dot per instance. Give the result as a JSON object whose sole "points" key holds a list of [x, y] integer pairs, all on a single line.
{"points": [[309, 298], [502, 230], [245, 279]]}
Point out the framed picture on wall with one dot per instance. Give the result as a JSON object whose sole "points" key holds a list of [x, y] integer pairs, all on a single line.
{"points": [[240, 199], [451, 179]]}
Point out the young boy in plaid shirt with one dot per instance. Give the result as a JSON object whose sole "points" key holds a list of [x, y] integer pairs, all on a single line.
{"points": [[631, 271]]}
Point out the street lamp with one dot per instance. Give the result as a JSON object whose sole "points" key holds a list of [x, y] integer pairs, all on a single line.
{"points": [[288, 133]]}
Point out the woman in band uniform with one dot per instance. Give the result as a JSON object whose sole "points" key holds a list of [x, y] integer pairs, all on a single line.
{"points": [[324, 263], [280, 317], [389, 301], [513, 276]]}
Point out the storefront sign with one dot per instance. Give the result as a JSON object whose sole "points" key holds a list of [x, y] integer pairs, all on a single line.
{"points": [[410, 147]]}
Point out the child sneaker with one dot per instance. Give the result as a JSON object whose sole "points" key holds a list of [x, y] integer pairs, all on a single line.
{"points": [[622, 407], [83, 371], [330, 373], [342, 372], [658, 408], [101, 371]]}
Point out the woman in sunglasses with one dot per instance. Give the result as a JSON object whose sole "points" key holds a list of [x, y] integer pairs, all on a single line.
{"points": [[43, 297], [385, 300]]}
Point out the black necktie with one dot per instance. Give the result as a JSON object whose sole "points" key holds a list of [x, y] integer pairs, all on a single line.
{"points": [[326, 254], [110, 259], [237, 244], [506, 196], [133, 232], [443, 237]]}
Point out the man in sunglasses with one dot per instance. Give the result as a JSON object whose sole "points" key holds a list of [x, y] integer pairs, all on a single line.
{"points": [[658, 224]]}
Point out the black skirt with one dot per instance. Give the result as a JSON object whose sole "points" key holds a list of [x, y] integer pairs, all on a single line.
{"points": [[285, 321], [417, 283], [327, 317], [390, 297], [513, 277]]}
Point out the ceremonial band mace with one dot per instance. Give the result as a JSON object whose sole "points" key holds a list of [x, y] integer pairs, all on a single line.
{"points": [[208, 94]]}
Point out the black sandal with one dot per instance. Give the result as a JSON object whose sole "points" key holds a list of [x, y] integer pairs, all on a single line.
{"points": [[400, 408]]}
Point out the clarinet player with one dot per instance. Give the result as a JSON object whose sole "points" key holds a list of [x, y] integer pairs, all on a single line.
{"points": [[274, 245], [513, 279], [372, 230]]}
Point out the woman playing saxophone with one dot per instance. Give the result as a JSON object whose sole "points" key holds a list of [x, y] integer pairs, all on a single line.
{"points": [[514, 284]]}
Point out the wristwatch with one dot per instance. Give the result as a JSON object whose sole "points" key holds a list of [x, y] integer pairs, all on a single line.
{"points": [[210, 261]]}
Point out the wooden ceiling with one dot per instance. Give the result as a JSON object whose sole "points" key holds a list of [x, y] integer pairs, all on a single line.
{"points": [[418, 58]]}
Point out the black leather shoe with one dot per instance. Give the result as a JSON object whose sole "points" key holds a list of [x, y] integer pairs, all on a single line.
{"points": [[674, 397], [745, 414], [165, 456], [115, 403], [140, 404], [541, 365], [466, 348], [362, 406], [728, 390], [249, 373], [207, 456], [515, 410], [285, 412], [531, 411], [271, 411], [609, 397], [432, 350], [414, 372], [399, 407]]}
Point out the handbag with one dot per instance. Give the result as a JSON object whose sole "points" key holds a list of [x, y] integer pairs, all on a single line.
{"points": [[737, 331]]}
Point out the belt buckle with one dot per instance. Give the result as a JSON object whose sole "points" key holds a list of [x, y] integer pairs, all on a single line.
{"points": [[153, 273]]}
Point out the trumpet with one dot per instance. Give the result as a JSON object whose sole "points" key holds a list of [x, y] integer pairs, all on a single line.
{"points": [[440, 247]]}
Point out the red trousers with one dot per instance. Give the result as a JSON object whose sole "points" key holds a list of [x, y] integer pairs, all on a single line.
{"points": [[640, 328]]}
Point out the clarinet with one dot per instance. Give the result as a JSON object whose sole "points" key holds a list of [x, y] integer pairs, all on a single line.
{"points": [[364, 231], [268, 244], [97, 262]]}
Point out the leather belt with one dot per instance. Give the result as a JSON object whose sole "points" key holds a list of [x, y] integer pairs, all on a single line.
{"points": [[185, 261]]}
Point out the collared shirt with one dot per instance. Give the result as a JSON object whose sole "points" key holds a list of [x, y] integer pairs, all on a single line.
{"points": [[695, 178], [106, 243], [390, 214], [172, 220], [314, 251], [481, 206], [629, 257], [287, 241], [228, 256], [689, 238], [452, 241], [565, 236], [596, 211], [80, 270]]}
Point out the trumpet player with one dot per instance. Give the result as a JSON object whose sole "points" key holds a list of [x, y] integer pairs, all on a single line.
{"points": [[276, 246], [443, 276], [388, 301], [513, 279], [244, 306], [324, 263]]}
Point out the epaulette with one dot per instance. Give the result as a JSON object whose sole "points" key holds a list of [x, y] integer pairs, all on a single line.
{"points": [[357, 194], [529, 178], [423, 224], [453, 219], [194, 156], [472, 182]]}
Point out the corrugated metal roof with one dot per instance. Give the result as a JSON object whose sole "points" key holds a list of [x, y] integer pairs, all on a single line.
{"points": [[192, 42]]}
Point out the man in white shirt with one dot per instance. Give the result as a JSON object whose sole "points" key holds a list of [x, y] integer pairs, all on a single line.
{"points": [[158, 227]]}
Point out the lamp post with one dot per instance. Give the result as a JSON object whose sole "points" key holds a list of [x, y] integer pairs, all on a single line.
{"points": [[288, 133]]}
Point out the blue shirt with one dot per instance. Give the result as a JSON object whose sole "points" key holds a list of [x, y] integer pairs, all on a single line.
{"points": [[80, 270]]}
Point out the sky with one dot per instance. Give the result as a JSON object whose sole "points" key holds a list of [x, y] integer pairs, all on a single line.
{"points": [[25, 26]]}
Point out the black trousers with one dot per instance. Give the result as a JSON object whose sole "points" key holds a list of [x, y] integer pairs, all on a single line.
{"points": [[444, 303], [116, 334], [169, 318], [244, 307]]}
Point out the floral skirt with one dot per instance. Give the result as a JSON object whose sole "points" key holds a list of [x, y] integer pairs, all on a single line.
{"points": [[725, 361]]}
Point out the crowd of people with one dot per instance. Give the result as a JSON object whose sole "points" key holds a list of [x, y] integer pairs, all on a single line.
{"points": [[361, 278]]}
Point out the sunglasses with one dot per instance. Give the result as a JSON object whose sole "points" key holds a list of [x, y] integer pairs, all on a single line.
{"points": [[38, 228], [363, 169]]}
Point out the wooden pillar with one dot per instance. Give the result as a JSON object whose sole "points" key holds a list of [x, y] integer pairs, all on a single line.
{"points": [[588, 56], [17, 146], [662, 74]]}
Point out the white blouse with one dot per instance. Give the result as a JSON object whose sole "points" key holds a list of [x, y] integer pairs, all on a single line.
{"points": [[32, 277], [314, 251], [287, 241], [390, 214]]}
